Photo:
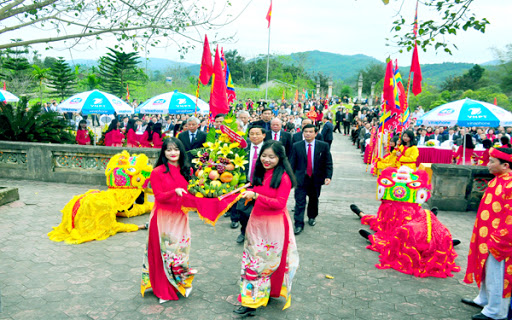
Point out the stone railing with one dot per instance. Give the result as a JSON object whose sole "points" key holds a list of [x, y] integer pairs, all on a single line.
{"points": [[458, 188], [60, 162]]}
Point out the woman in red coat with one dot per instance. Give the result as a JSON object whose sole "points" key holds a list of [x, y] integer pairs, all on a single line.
{"points": [[114, 137], [131, 136], [82, 134], [270, 258], [157, 136], [465, 152], [146, 140], [166, 260]]}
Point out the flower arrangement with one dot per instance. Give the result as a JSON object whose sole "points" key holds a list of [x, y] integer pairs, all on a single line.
{"points": [[220, 165], [430, 143], [91, 134]]}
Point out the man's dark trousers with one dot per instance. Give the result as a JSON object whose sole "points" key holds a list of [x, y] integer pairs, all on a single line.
{"points": [[313, 193]]}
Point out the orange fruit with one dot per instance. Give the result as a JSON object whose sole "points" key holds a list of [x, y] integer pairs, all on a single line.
{"points": [[226, 177]]}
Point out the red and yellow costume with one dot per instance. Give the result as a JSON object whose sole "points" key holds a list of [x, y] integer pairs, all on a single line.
{"points": [[409, 239], [408, 156], [492, 232]]}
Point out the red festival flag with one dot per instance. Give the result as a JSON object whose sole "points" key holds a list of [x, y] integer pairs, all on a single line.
{"points": [[389, 87], [218, 97], [5, 87], [206, 63], [269, 14], [127, 92], [416, 68], [495, 100]]}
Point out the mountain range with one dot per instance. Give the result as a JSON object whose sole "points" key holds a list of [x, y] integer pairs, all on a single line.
{"points": [[336, 66]]}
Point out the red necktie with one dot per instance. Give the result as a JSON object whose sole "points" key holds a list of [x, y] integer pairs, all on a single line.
{"points": [[309, 169], [275, 136], [254, 158]]}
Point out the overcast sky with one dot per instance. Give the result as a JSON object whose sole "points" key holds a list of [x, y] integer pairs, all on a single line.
{"points": [[339, 26]]}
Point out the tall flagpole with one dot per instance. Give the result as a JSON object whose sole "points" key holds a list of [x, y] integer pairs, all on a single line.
{"points": [[268, 62]]}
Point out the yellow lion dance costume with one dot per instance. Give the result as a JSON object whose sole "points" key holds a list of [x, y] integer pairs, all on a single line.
{"points": [[92, 215]]}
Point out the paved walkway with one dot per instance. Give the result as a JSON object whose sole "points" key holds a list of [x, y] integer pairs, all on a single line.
{"points": [[41, 279]]}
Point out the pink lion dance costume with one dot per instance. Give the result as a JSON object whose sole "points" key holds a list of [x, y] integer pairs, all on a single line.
{"points": [[409, 239]]}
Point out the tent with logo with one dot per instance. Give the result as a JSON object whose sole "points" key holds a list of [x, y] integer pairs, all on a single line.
{"points": [[173, 103], [95, 102], [467, 113]]}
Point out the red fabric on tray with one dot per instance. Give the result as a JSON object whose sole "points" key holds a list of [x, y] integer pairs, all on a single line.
{"points": [[209, 209]]}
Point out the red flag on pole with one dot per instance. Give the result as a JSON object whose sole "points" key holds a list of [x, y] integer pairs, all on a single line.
{"points": [[416, 68], [127, 92], [206, 70], [495, 100], [5, 87], [389, 88], [218, 97], [269, 14]]}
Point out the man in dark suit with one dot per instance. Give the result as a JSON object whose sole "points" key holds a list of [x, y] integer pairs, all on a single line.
{"points": [[192, 138], [311, 161], [327, 131], [339, 119], [298, 136], [277, 133], [436, 137], [243, 211], [347, 120], [266, 116], [168, 127]]}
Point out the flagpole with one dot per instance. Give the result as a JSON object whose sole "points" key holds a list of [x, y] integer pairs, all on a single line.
{"points": [[268, 62]]}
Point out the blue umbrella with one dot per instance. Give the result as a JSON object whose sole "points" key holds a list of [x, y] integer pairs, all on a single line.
{"points": [[173, 103], [6, 96], [95, 102], [467, 113]]}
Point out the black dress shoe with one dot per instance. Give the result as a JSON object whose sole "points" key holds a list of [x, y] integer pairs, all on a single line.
{"points": [[245, 311], [456, 242], [312, 222], [234, 224], [365, 234], [355, 209], [298, 230], [470, 303], [480, 316], [434, 210], [227, 214], [240, 239]]}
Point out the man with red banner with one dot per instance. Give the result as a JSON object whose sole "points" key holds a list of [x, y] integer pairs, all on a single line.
{"points": [[490, 250]]}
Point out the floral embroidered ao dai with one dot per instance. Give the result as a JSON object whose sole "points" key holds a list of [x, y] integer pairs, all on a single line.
{"points": [[270, 258]]}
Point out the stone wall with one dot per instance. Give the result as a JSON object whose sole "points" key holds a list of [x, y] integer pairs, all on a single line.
{"points": [[458, 188], [60, 162]]}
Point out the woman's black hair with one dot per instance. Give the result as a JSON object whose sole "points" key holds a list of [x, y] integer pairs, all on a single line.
{"points": [[157, 128], [112, 126], [395, 140], [282, 166], [182, 161], [149, 130], [80, 124], [505, 141], [130, 125], [487, 143], [410, 134], [469, 141]]}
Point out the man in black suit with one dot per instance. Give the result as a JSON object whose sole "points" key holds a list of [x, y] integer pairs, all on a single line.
{"points": [[266, 116], [192, 138], [298, 136], [277, 133], [436, 137], [311, 161], [243, 211], [347, 120], [327, 131], [339, 119]]}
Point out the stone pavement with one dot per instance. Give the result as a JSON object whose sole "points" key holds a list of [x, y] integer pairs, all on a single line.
{"points": [[41, 279]]}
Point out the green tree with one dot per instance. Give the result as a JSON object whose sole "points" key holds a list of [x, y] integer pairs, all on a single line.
{"points": [[40, 74], [470, 80], [21, 124], [16, 71], [453, 16], [236, 64], [61, 79], [372, 73], [116, 69]]}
